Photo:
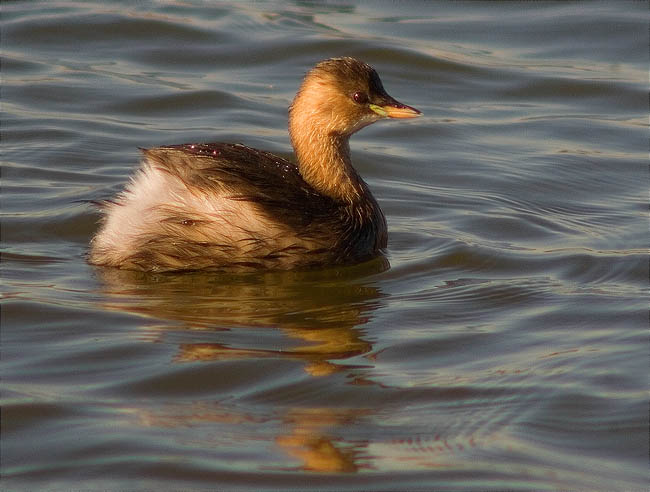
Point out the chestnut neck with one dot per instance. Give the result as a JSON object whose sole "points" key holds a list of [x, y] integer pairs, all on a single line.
{"points": [[324, 161]]}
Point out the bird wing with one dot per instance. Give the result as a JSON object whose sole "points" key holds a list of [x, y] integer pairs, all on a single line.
{"points": [[242, 173]]}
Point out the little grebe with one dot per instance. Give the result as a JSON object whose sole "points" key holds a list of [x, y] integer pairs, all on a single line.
{"points": [[229, 207]]}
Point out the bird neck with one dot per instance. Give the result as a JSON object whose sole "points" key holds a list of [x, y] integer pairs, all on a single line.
{"points": [[324, 161]]}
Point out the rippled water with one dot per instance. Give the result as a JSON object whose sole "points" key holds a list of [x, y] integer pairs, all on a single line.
{"points": [[506, 347]]}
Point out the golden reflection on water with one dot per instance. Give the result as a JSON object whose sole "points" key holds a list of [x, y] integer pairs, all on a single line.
{"points": [[309, 435], [310, 439], [316, 348], [314, 318], [317, 438], [318, 316]]}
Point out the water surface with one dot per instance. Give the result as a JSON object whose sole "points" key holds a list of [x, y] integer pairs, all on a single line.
{"points": [[504, 347]]}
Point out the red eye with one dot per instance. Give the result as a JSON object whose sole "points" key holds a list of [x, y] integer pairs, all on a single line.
{"points": [[360, 97]]}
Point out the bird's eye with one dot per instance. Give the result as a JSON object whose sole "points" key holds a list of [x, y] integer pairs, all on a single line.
{"points": [[360, 97]]}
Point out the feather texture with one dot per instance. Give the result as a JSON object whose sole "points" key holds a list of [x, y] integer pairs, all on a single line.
{"points": [[224, 206]]}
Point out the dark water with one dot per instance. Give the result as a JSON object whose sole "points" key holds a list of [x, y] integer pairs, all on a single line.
{"points": [[505, 348]]}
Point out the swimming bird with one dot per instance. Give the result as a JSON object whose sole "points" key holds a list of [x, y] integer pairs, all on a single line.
{"points": [[222, 206]]}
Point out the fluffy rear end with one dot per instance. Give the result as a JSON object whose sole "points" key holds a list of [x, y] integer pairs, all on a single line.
{"points": [[159, 222], [166, 220]]}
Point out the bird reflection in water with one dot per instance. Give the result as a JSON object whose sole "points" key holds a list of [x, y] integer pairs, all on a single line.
{"points": [[316, 318], [316, 314], [311, 439]]}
